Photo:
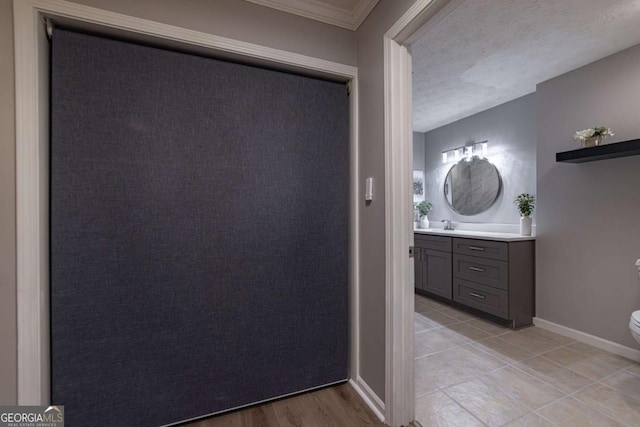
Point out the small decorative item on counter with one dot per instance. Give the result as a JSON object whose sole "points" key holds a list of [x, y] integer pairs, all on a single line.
{"points": [[593, 136], [424, 208], [525, 203]]}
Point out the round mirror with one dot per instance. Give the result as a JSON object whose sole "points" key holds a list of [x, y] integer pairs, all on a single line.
{"points": [[472, 186]]}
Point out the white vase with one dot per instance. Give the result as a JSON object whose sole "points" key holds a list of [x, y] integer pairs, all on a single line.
{"points": [[424, 222], [525, 226], [592, 141]]}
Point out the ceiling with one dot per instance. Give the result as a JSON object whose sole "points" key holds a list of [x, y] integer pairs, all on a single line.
{"points": [[481, 53], [342, 13]]}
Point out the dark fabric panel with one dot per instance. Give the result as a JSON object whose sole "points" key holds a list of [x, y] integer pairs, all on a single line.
{"points": [[199, 233]]}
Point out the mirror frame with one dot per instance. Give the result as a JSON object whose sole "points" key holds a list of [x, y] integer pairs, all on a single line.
{"points": [[445, 186]]}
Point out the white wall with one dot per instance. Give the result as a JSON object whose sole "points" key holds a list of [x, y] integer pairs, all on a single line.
{"points": [[588, 214], [510, 129]]}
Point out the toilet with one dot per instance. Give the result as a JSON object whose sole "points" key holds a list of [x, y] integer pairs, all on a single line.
{"points": [[634, 323]]}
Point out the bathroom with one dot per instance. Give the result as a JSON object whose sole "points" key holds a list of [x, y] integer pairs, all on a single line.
{"points": [[585, 227]]}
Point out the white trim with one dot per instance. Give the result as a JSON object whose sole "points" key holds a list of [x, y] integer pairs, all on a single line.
{"points": [[369, 396], [361, 11], [398, 228], [323, 12], [422, 16], [610, 346], [102, 18], [354, 257], [32, 191], [32, 99], [399, 309]]}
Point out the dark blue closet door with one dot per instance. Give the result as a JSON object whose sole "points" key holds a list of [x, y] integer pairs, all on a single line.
{"points": [[199, 233]]}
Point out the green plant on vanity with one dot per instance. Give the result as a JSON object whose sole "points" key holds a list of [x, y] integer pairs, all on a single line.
{"points": [[424, 208], [526, 203]]}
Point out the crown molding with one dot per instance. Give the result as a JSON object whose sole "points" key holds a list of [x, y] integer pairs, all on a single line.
{"points": [[323, 12]]}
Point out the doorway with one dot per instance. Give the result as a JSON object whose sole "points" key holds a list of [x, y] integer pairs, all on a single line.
{"points": [[400, 308], [397, 110], [32, 138]]}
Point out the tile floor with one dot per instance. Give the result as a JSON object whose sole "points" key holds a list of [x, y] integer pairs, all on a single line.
{"points": [[471, 372]]}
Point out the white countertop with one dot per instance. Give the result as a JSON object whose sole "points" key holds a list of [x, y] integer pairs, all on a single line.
{"points": [[484, 235]]}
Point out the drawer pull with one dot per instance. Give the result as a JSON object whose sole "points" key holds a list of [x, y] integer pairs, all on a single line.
{"points": [[473, 294], [481, 270], [476, 248]]}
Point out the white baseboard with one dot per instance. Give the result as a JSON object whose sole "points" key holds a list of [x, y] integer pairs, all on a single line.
{"points": [[370, 398], [610, 346]]}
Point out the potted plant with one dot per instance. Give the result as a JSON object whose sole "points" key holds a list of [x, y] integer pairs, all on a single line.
{"points": [[525, 203], [424, 208], [593, 136]]}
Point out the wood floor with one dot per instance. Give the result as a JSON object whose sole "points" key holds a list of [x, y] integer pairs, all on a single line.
{"points": [[333, 406]]}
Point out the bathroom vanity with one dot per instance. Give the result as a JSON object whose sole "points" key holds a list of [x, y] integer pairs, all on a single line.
{"points": [[489, 273]]}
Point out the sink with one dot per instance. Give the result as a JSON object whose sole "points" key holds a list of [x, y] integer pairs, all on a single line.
{"points": [[492, 235]]}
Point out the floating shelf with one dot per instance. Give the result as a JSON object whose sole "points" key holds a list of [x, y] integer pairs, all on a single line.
{"points": [[601, 152]]}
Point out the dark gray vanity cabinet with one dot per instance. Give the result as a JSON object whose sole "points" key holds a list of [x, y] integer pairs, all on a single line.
{"points": [[494, 277], [433, 265]]}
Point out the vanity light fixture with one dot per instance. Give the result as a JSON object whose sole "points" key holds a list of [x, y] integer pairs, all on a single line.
{"points": [[485, 148], [476, 149]]}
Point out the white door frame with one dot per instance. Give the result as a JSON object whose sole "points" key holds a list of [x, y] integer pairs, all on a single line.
{"points": [[32, 160], [398, 149]]}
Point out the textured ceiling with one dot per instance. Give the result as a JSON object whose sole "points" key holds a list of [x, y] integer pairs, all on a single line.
{"points": [[342, 13], [482, 53]]}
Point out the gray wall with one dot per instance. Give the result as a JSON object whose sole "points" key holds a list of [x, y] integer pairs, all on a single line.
{"points": [[418, 151], [511, 131], [8, 340], [244, 21], [229, 18], [370, 57], [249, 22], [588, 228]]}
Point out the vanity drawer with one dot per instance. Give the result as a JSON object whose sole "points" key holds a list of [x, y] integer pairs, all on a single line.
{"points": [[438, 243], [481, 248], [490, 300], [488, 272]]}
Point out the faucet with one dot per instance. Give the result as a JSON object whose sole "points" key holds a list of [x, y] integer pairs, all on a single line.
{"points": [[447, 225]]}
